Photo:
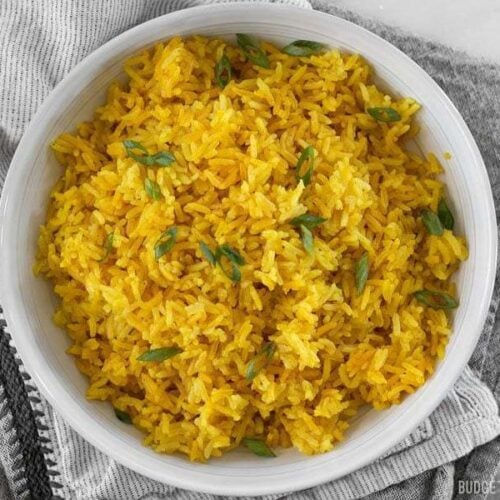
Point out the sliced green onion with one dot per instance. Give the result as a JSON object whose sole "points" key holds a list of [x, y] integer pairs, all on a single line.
{"points": [[303, 48], [160, 354], [259, 447], [445, 215], [209, 255], [307, 239], [165, 242], [432, 222], [223, 71], [108, 246], [234, 258], [308, 220], [436, 300], [130, 145], [260, 360], [231, 254], [251, 49], [123, 416], [385, 115], [307, 156], [224, 252], [152, 189], [163, 158], [305, 223], [361, 272]]}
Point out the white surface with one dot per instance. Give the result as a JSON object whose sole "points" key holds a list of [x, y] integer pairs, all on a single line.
{"points": [[28, 301], [469, 25]]}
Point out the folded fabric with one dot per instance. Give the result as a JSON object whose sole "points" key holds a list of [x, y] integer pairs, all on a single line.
{"points": [[42, 457]]}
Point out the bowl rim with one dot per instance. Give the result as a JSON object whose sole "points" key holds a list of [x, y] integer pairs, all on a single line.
{"points": [[102, 438]]}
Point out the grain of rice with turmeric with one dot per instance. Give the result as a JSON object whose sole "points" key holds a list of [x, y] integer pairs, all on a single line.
{"points": [[234, 182]]}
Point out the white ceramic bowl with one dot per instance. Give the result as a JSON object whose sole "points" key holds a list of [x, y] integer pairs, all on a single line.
{"points": [[29, 303]]}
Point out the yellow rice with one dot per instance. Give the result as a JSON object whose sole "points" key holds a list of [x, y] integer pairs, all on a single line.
{"points": [[234, 182]]}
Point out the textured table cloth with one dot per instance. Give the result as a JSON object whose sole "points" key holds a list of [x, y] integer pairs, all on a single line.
{"points": [[41, 457]]}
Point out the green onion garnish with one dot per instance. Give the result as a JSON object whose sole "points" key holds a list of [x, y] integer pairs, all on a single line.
{"points": [[308, 220], [305, 223], [436, 300], [385, 115], [123, 416], [108, 246], [259, 447], [307, 157], [160, 354], [432, 222], [165, 242], [224, 252], [209, 255], [252, 50], [303, 48], [361, 272], [223, 71], [307, 239], [445, 215], [260, 360], [152, 189], [235, 259], [163, 158]]}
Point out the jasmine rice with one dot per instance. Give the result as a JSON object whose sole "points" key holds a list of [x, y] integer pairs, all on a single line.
{"points": [[245, 250]]}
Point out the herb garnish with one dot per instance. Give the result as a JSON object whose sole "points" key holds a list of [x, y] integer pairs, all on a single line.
{"points": [[260, 360], [385, 115], [223, 71], [221, 253], [165, 242], [152, 189], [432, 222], [234, 258], [123, 416], [308, 220], [436, 300], [305, 223], [108, 246], [160, 354], [163, 158], [307, 156], [259, 447], [307, 239], [361, 272], [303, 48], [252, 50], [445, 215], [209, 255]]}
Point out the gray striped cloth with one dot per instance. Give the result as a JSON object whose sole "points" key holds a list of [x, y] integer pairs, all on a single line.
{"points": [[41, 457]]}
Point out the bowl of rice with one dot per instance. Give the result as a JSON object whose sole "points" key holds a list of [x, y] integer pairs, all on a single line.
{"points": [[248, 248]]}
